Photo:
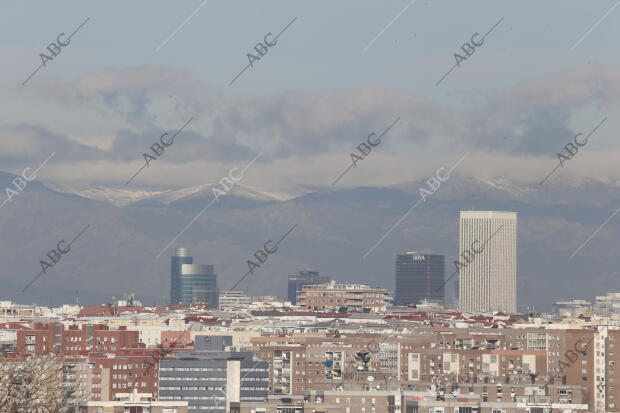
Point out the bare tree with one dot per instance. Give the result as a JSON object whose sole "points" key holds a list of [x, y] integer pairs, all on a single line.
{"points": [[9, 397], [39, 384]]}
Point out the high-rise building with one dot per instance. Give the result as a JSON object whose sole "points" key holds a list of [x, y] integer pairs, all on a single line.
{"points": [[488, 261], [191, 283], [181, 256], [419, 277], [296, 282]]}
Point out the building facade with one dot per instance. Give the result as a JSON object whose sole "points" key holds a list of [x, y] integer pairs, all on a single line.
{"points": [[210, 379], [297, 281], [419, 277], [334, 296], [234, 300], [134, 402], [73, 340], [199, 285], [487, 263], [192, 283], [181, 256]]}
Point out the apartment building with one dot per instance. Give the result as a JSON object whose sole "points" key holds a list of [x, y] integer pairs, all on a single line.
{"points": [[568, 365], [333, 296], [360, 401], [125, 372], [369, 400], [611, 355], [54, 338]]}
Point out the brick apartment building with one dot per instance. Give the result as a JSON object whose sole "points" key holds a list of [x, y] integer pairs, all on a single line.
{"points": [[121, 363], [501, 365], [54, 338], [609, 388]]}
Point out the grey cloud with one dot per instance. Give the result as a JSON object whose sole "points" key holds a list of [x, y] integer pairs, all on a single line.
{"points": [[534, 116], [26, 144], [529, 118], [188, 146], [132, 92], [300, 123]]}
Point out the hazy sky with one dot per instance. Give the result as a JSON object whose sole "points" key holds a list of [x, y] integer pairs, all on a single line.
{"points": [[326, 85]]}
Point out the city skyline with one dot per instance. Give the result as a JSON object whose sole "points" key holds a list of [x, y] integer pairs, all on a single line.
{"points": [[293, 207]]}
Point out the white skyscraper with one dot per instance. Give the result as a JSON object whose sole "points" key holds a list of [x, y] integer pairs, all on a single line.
{"points": [[488, 261]]}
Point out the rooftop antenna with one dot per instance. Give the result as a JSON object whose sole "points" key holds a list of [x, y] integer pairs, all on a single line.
{"points": [[77, 297]]}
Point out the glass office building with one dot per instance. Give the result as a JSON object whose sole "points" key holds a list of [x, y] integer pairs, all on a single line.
{"points": [[198, 284], [192, 283], [419, 277], [181, 256]]}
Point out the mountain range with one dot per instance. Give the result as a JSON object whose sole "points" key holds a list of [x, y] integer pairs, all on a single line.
{"points": [[334, 228]]}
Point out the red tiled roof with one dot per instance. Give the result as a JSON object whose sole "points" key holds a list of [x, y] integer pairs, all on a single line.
{"points": [[107, 311], [13, 326]]}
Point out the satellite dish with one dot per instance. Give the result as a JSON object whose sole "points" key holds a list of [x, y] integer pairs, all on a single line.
{"points": [[370, 378]]}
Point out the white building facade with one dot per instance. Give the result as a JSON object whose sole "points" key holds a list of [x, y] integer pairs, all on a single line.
{"points": [[487, 261]]}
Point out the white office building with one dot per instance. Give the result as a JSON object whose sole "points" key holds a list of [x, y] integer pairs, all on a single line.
{"points": [[234, 300], [488, 261]]}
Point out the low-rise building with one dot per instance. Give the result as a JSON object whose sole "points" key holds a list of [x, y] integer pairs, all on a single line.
{"points": [[335, 296], [134, 402], [234, 300]]}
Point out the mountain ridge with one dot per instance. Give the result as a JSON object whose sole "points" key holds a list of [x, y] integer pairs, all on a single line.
{"points": [[335, 228]]}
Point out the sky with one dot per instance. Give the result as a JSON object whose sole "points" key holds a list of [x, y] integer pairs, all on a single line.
{"points": [[341, 71]]}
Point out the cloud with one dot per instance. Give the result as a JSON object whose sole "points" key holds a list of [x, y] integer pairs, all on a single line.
{"points": [[133, 93], [27, 143], [310, 134], [308, 123], [535, 116], [187, 146]]}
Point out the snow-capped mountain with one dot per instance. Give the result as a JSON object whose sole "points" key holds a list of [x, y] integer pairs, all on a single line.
{"points": [[128, 243], [122, 196]]}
